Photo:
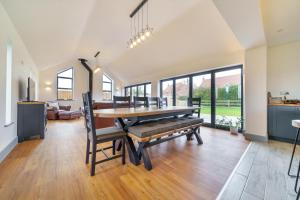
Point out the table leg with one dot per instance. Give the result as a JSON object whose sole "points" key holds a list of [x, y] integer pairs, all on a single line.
{"points": [[133, 156]]}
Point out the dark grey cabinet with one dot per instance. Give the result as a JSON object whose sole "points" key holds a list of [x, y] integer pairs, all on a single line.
{"points": [[280, 122], [31, 120]]}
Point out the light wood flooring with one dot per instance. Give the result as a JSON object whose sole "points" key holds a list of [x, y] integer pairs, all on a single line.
{"points": [[262, 174], [54, 168]]}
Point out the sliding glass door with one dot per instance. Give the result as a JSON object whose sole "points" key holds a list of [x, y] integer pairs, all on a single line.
{"points": [[139, 90], [202, 88], [167, 90], [220, 90], [228, 96], [181, 91]]}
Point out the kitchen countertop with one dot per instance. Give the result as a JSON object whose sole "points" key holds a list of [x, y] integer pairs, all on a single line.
{"points": [[282, 104]]}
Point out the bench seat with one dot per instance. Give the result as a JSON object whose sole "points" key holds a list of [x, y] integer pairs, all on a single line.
{"points": [[149, 129]]}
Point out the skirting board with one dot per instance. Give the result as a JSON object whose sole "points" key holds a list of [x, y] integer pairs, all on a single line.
{"points": [[258, 138], [8, 149]]}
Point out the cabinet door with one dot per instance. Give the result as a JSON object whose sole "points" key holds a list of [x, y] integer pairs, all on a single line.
{"points": [[284, 116], [271, 120]]}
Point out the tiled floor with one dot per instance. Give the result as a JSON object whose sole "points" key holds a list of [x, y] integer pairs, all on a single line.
{"points": [[262, 174]]}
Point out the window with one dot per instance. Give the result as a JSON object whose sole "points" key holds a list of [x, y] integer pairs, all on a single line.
{"points": [[106, 88], [9, 60], [65, 85], [202, 88], [167, 90], [139, 90], [220, 90], [182, 91]]}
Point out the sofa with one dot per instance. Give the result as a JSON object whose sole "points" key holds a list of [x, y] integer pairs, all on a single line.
{"points": [[60, 112], [103, 122]]}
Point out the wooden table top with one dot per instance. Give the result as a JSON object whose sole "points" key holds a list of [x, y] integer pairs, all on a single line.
{"points": [[138, 112]]}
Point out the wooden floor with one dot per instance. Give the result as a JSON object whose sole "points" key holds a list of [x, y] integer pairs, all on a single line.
{"points": [[54, 168], [262, 174]]}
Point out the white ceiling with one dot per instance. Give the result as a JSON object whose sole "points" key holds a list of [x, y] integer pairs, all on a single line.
{"points": [[50, 29], [245, 20], [56, 31], [200, 32], [281, 20]]}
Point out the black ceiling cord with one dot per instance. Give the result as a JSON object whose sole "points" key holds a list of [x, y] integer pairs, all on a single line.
{"points": [[98, 52], [137, 8]]}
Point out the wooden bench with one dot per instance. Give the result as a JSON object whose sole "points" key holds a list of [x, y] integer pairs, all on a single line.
{"points": [[165, 129]]}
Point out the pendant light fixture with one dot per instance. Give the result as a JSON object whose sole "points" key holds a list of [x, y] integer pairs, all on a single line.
{"points": [[139, 33]]}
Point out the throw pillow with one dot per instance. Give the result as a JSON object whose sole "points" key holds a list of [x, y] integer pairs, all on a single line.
{"points": [[53, 104]]}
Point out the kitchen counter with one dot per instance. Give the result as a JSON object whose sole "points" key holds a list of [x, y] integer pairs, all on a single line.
{"points": [[282, 104], [280, 118]]}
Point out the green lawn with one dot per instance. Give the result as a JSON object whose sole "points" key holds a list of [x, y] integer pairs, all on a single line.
{"points": [[223, 111]]}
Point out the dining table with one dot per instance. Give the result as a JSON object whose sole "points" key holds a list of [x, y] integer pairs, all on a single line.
{"points": [[127, 117]]}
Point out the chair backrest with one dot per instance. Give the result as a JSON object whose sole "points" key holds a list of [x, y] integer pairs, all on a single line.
{"points": [[153, 101], [140, 101], [163, 101], [122, 102], [196, 101], [89, 116]]}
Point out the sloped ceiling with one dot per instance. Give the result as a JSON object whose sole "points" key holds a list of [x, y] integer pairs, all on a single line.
{"points": [[50, 29], [245, 20], [55, 31], [199, 32]]}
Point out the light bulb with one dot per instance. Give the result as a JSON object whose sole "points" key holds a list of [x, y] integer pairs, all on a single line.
{"points": [[138, 40], [131, 46], [134, 43], [143, 36], [148, 33]]}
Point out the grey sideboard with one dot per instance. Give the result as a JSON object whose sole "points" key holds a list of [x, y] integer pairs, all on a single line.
{"points": [[280, 118], [31, 120]]}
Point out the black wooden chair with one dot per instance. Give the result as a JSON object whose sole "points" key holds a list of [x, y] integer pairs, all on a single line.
{"points": [[140, 102], [153, 101], [163, 101], [100, 136], [121, 102], [196, 101]]}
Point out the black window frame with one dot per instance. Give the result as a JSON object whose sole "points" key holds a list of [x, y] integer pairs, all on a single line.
{"points": [[61, 77], [129, 87], [213, 91], [111, 86]]}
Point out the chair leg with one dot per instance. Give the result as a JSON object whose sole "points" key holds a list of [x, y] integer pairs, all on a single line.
{"points": [[123, 151], [114, 147], [119, 145], [293, 153], [297, 177], [87, 158], [298, 195], [94, 151]]}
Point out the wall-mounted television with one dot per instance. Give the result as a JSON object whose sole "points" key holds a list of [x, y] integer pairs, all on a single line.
{"points": [[30, 89]]}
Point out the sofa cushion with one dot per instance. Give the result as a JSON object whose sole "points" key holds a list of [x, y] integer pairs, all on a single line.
{"points": [[62, 114], [148, 129], [53, 104]]}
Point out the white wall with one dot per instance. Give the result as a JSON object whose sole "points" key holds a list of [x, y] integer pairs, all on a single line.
{"points": [[48, 83], [256, 91], [284, 69], [23, 67]]}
